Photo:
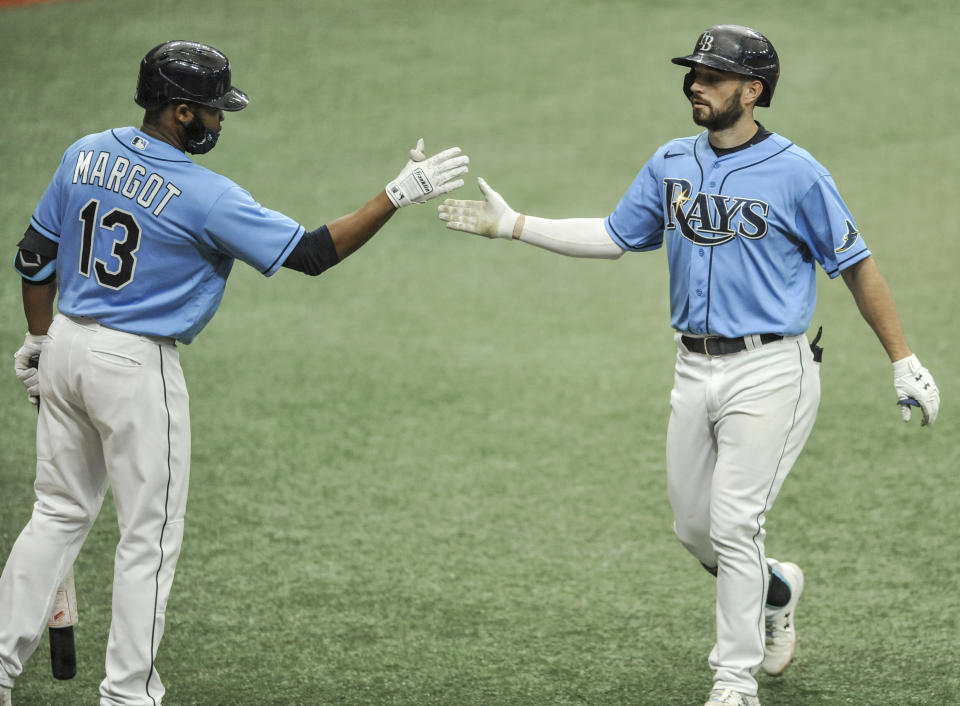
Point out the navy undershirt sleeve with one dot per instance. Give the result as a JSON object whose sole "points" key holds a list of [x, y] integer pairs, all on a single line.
{"points": [[314, 253]]}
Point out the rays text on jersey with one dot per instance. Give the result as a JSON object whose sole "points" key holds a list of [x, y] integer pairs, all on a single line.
{"points": [[712, 219], [116, 173]]}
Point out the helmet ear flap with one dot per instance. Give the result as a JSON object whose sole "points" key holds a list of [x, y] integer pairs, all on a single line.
{"points": [[687, 82], [764, 100]]}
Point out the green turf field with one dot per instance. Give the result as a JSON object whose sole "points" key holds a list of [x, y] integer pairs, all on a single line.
{"points": [[434, 475]]}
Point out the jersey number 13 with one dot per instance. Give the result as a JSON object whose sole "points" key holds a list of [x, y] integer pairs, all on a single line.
{"points": [[124, 250]]}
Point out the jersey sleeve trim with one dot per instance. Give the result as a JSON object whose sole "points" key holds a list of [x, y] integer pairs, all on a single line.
{"points": [[848, 262], [44, 230], [612, 232], [623, 245], [287, 249]]}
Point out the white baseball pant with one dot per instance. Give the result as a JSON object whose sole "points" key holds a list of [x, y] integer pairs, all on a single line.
{"points": [[737, 425], [114, 411]]}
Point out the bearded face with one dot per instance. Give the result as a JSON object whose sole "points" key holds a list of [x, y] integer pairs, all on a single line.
{"points": [[713, 116]]}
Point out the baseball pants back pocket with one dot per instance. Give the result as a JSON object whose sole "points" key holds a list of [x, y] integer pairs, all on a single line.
{"points": [[115, 358]]}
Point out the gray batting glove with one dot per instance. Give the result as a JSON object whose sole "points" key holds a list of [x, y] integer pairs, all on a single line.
{"points": [[25, 363], [492, 218], [915, 388], [424, 178]]}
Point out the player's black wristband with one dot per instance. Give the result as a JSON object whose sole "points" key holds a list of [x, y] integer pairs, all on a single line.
{"points": [[314, 253]]}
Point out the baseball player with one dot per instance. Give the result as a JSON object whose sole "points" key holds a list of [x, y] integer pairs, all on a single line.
{"points": [[745, 215], [139, 241]]}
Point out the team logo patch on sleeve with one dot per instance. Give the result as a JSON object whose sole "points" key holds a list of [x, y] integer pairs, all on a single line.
{"points": [[849, 238]]}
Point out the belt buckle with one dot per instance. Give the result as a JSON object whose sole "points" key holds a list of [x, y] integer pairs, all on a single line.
{"points": [[706, 347]]}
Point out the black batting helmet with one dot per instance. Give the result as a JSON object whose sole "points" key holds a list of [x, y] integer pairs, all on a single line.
{"points": [[188, 71], [739, 50]]}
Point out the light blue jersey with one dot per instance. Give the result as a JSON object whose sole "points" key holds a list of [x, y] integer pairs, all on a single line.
{"points": [[742, 233], [147, 237]]}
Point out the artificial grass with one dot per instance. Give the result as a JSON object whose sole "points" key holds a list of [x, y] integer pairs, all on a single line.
{"points": [[434, 475]]}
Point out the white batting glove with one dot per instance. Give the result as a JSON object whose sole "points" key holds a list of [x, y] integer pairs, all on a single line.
{"points": [[915, 388], [25, 363], [426, 178], [492, 218]]}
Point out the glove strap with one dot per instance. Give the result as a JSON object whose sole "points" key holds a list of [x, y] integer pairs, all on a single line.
{"points": [[36, 339], [905, 366]]}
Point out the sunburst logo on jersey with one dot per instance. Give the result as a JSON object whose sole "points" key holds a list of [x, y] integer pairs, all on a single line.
{"points": [[680, 199]]}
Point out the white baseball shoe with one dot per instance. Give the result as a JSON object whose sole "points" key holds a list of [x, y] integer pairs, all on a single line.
{"points": [[781, 631], [729, 697], [5, 698]]}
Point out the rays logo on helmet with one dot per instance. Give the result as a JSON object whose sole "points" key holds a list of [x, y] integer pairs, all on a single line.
{"points": [[706, 42]]}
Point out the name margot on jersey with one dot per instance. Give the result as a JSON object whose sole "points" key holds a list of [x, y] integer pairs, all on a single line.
{"points": [[116, 174]]}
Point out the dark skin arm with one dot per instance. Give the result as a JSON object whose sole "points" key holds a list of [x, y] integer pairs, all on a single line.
{"points": [[351, 231], [877, 307], [38, 305]]}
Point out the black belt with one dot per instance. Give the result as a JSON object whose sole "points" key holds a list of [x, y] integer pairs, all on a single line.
{"points": [[717, 345]]}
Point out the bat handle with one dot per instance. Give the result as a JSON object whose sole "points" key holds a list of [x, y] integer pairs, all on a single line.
{"points": [[63, 654]]}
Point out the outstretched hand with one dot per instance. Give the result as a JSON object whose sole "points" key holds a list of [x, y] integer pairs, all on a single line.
{"points": [[492, 218], [424, 178]]}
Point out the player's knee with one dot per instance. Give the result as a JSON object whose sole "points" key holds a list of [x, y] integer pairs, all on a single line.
{"points": [[695, 538], [733, 535], [65, 515]]}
